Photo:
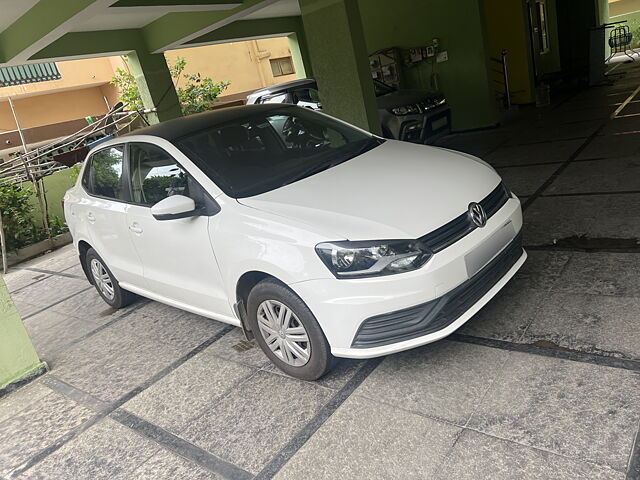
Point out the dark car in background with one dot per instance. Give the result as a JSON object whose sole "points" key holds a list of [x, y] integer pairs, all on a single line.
{"points": [[417, 116]]}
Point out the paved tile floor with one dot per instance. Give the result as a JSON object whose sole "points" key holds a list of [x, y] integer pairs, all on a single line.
{"points": [[542, 383]]}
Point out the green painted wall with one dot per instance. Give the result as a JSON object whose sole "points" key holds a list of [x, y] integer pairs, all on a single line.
{"points": [[18, 358], [338, 53], [55, 186], [460, 27]]}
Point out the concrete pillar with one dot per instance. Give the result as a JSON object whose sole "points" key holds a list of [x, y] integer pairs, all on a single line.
{"points": [[300, 55], [335, 39], [18, 359], [155, 84]]}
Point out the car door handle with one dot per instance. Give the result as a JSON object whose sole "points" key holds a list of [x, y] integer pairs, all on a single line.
{"points": [[91, 218], [135, 228]]}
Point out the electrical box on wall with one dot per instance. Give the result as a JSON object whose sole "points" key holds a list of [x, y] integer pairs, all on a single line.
{"points": [[386, 66], [442, 57]]}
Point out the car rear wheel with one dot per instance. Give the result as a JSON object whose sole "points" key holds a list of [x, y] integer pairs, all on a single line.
{"points": [[105, 283], [287, 331]]}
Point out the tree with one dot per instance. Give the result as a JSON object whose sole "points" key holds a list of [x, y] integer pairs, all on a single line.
{"points": [[197, 96]]}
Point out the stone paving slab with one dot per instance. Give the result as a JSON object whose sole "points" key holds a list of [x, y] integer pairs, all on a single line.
{"points": [[553, 133], [606, 175], [524, 181], [254, 421], [548, 152], [601, 274], [582, 411], [477, 456], [607, 146], [51, 331], [18, 279], [189, 391], [107, 450], [50, 290], [108, 364], [444, 380], [605, 325], [595, 216], [33, 428], [508, 315], [368, 440]]}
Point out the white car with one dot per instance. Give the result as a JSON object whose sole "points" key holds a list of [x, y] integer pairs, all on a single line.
{"points": [[318, 238]]}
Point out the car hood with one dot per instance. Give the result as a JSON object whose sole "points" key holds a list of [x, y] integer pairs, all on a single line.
{"points": [[397, 190], [400, 98]]}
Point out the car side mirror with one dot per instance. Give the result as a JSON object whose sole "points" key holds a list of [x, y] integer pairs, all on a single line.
{"points": [[173, 207]]}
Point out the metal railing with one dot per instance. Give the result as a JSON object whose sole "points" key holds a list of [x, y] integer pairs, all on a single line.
{"points": [[503, 81]]}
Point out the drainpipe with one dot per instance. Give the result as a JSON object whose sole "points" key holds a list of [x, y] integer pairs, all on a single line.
{"points": [[260, 55]]}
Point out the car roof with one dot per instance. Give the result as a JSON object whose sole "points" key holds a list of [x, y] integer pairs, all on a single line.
{"points": [[283, 86], [179, 127]]}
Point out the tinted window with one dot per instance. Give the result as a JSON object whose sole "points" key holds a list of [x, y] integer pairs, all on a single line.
{"points": [[103, 176], [155, 175], [272, 148]]}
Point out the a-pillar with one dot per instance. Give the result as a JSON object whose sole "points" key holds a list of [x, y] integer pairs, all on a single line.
{"points": [[338, 53], [18, 359], [155, 85]]}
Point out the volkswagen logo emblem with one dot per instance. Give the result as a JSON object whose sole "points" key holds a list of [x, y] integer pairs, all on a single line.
{"points": [[477, 214]]}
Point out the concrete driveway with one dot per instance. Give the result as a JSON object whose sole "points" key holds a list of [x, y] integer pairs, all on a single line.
{"points": [[542, 383]]}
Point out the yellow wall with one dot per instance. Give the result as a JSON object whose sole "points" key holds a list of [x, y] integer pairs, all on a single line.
{"points": [[245, 64], [75, 74], [506, 27]]}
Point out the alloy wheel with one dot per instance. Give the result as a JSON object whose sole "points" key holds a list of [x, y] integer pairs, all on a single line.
{"points": [[102, 279], [283, 333]]}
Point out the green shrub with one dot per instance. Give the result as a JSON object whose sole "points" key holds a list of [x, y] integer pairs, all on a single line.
{"points": [[20, 229], [197, 96]]}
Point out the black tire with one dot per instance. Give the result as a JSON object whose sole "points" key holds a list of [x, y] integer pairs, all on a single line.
{"points": [[121, 297], [320, 361]]}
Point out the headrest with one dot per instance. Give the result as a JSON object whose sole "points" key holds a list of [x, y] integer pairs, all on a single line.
{"points": [[232, 136]]}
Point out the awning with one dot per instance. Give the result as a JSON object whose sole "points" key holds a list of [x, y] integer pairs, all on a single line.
{"points": [[32, 73]]}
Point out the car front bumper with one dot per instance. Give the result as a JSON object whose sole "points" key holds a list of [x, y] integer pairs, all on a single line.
{"points": [[371, 317]]}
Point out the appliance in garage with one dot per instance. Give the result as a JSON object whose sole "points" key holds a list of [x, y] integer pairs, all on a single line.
{"points": [[417, 115]]}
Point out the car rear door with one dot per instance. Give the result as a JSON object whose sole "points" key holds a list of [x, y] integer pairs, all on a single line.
{"points": [[178, 259], [104, 210]]}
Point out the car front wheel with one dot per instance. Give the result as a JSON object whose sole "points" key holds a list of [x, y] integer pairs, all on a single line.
{"points": [[287, 331]]}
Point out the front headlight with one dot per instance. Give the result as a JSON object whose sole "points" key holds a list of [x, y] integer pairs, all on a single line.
{"points": [[370, 259]]}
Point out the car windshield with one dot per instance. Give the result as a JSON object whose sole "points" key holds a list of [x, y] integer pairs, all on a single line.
{"points": [[382, 88], [271, 148]]}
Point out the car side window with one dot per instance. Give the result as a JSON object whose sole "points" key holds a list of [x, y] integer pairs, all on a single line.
{"points": [[278, 98], [156, 175], [103, 175]]}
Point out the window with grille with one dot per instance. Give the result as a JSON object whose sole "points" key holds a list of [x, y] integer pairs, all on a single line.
{"points": [[282, 66]]}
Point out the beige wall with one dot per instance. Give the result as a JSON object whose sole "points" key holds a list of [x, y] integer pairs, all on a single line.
{"points": [[52, 108], [245, 64]]}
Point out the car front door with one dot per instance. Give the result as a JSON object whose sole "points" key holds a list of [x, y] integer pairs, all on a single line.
{"points": [[177, 257], [105, 211]]}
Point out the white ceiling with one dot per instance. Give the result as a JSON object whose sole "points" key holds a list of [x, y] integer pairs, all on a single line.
{"points": [[118, 18], [283, 8], [13, 10]]}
